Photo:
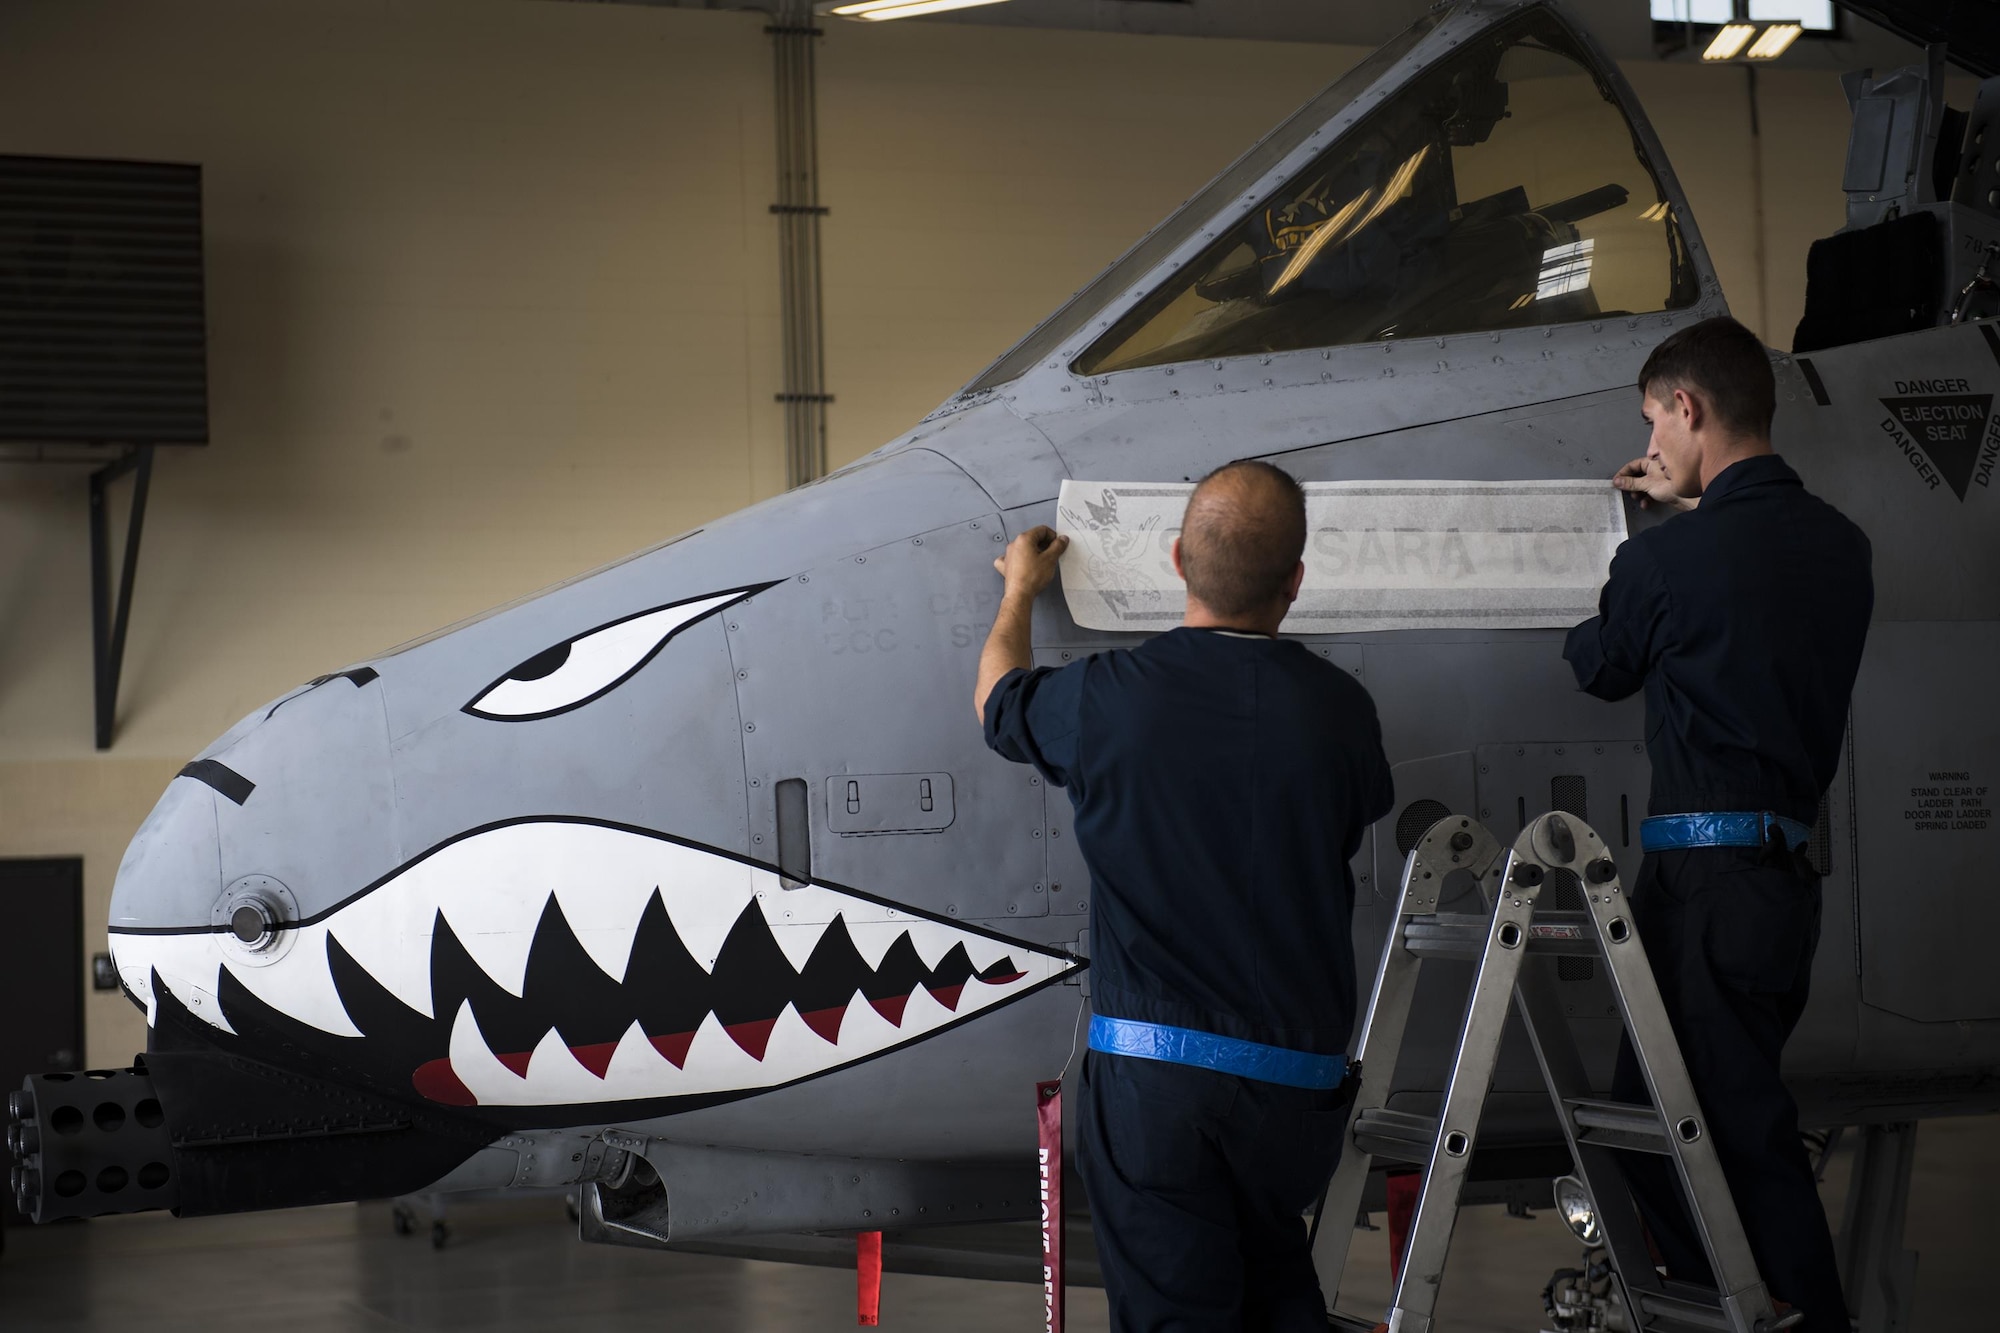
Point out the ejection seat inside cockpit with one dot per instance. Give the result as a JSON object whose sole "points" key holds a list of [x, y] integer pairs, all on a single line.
{"points": [[1922, 242], [1500, 189]]}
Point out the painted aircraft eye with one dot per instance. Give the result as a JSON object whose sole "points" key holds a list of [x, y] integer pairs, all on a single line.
{"points": [[576, 671]]}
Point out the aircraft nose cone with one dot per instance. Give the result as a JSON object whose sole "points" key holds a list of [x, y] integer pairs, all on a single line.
{"points": [[288, 813], [299, 797], [172, 872]]}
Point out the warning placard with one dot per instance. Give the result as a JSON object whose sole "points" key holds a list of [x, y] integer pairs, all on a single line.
{"points": [[1940, 427], [1949, 801]]}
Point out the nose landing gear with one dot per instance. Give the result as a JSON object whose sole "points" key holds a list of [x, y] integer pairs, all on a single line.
{"points": [[1587, 1299]]}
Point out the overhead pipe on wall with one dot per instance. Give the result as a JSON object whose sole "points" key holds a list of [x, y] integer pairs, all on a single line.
{"points": [[804, 398]]}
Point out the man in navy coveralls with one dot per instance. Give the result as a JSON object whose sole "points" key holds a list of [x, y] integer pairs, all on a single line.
{"points": [[1743, 620], [1222, 779]]}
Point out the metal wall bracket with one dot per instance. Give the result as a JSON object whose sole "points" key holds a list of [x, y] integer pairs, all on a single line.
{"points": [[108, 623]]}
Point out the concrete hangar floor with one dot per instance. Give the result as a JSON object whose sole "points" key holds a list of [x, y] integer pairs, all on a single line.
{"points": [[516, 1265]]}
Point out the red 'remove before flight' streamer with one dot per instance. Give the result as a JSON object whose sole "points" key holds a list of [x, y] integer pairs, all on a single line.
{"points": [[1049, 1160], [868, 1278]]}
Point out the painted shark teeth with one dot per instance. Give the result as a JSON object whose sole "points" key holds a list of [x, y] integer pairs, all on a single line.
{"points": [[714, 1061], [492, 889], [189, 965], [558, 962]]}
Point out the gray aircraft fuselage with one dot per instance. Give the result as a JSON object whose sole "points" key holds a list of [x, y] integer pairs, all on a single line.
{"points": [[700, 858]]}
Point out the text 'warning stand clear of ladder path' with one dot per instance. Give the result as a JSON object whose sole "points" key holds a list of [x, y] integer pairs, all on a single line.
{"points": [[1598, 1131]]}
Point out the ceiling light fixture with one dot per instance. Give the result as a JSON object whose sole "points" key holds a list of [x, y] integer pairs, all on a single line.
{"points": [[877, 10], [1775, 41], [1728, 42], [1752, 41]]}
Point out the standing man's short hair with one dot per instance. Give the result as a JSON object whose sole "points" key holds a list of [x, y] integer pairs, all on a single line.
{"points": [[1726, 365], [1242, 537]]}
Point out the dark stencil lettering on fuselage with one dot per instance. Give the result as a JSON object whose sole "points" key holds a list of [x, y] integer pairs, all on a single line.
{"points": [[1943, 421]]}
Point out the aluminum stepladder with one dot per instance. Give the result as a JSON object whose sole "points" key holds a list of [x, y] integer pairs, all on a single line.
{"points": [[1510, 882]]}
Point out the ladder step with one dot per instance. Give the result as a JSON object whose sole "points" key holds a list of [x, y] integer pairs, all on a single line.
{"points": [[1562, 933], [1406, 1137], [1617, 1125], [1460, 935], [1397, 1136], [1446, 935], [1347, 1323], [1681, 1307]]}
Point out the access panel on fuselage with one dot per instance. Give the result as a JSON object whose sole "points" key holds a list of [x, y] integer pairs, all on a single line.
{"points": [[1901, 434], [1927, 766], [862, 670]]}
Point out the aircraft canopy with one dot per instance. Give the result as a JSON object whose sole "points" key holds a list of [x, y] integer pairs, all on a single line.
{"points": [[1501, 188]]}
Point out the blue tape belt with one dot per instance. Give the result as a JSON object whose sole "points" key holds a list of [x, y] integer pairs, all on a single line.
{"points": [[1206, 1050], [1718, 828]]}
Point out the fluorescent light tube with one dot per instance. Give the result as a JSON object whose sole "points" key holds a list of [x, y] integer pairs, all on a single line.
{"points": [[1776, 40], [877, 10], [1732, 39]]}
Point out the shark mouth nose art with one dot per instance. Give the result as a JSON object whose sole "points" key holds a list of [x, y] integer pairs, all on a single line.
{"points": [[553, 962]]}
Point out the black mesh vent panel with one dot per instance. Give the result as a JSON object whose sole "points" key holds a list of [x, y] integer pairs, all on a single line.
{"points": [[102, 325], [1563, 892], [1570, 794], [1416, 817], [1569, 968]]}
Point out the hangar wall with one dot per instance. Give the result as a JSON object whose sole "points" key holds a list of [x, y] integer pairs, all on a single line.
{"points": [[493, 300], [491, 295]]}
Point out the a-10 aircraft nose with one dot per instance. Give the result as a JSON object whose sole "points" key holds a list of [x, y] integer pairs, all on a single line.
{"points": [[284, 816]]}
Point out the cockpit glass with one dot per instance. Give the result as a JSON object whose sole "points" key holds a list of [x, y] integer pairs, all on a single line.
{"points": [[1500, 189]]}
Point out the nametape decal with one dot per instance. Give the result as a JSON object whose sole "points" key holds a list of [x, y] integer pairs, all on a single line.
{"points": [[1380, 555]]}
